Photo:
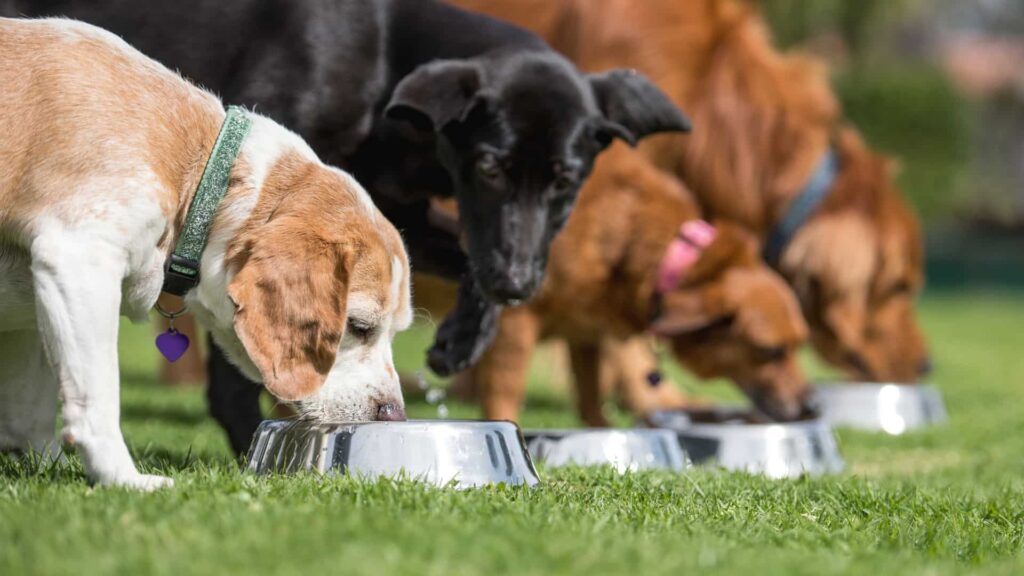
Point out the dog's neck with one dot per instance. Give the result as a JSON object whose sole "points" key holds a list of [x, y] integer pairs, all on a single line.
{"points": [[774, 114], [180, 156], [266, 143], [656, 205], [663, 216]]}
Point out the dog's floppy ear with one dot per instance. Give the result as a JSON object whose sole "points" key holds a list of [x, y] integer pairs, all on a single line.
{"points": [[688, 310], [701, 300], [435, 94], [291, 312], [633, 107]]}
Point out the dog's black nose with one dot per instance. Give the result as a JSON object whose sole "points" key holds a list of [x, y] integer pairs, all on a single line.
{"points": [[390, 412], [513, 288], [926, 367]]}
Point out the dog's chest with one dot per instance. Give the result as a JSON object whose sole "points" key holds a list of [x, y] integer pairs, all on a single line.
{"points": [[17, 298], [145, 274]]}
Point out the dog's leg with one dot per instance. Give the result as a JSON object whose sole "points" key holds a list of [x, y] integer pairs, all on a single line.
{"points": [[78, 297], [464, 386], [586, 371], [629, 365], [465, 333], [28, 396], [501, 373], [234, 400]]}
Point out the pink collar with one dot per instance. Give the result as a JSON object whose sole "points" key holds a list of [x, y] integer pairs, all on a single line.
{"points": [[684, 251]]}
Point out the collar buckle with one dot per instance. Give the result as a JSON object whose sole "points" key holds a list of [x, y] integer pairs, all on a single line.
{"points": [[181, 274]]}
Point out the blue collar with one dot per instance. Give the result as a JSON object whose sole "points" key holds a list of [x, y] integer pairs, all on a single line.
{"points": [[802, 207]]}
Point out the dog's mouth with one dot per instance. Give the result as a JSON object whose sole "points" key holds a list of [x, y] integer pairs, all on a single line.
{"points": [[379, 410], [779, 407]]}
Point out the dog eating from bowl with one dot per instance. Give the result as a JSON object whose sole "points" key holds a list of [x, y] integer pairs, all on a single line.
{"points": [[300, 278]]}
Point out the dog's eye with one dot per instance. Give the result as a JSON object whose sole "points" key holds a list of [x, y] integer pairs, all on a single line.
{"points": [[901, 289], [361, 329], [488, 167]]}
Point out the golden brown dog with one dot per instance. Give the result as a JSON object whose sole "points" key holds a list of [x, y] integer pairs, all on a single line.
{"points": [[625, 372], [763, 122], [728, 315]]}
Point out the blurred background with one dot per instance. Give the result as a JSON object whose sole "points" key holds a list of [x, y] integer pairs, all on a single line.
{"points": [[939, 85]]}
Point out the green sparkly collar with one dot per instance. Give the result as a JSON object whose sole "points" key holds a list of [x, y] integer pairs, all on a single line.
{"points": [[181, 273]]}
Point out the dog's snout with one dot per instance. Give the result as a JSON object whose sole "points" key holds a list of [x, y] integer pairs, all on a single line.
{"points": [[780, 407], [515, 285], [859, 364], [390, 412]]}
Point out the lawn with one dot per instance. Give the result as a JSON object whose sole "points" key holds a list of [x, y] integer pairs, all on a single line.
{"points": [[942, 501]]}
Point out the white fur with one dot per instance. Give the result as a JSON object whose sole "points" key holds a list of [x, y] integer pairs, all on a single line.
{"points": [[361, 371], [365, 369]]}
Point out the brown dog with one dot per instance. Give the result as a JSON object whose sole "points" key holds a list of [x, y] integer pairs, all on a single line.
{"points": [[626, 366], [726, 315], [764, 121]]}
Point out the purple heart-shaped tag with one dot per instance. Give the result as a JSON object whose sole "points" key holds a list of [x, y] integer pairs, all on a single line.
{"points": [[172, 344]]}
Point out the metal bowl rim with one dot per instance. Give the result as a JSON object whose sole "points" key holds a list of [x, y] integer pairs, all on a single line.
{"points": [[815, 425], [328, 426], [921, 388], [562, 432]]}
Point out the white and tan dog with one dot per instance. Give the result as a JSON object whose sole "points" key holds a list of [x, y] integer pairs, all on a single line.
{"points": [[303, 281]]}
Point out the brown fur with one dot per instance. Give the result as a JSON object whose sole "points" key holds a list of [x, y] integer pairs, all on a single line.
{"points": [[762, 120], [624, 364], [173, 127], [290, 314]]}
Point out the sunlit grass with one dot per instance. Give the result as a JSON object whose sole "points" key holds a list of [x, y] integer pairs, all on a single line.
{"points": [[945, 500]]}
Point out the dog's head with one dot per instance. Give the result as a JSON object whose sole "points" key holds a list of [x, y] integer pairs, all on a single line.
{"points": [[518, 133], [318, 283], [733, 317], [859, 271]]}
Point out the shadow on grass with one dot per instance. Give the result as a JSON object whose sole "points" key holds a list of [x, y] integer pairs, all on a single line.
{"points": [[184, 415], [162, 460], [141, 378]]}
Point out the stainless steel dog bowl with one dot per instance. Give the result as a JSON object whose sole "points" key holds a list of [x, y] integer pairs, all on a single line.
{"points": [[737, 440], [626, 450], [460, 453], [891, 408]]}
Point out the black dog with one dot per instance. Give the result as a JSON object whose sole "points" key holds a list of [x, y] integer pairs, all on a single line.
{"points": [[417, 99]]}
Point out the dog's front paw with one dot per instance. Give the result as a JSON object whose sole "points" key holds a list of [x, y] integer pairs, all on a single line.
{"points": [[458, 344], [143, 482], [466, 332]]}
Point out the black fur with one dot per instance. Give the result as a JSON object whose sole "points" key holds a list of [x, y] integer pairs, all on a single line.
{"points": [[417, 99]]}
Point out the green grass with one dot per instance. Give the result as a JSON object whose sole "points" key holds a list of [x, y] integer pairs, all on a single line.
{"points": [[942, 501]]}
